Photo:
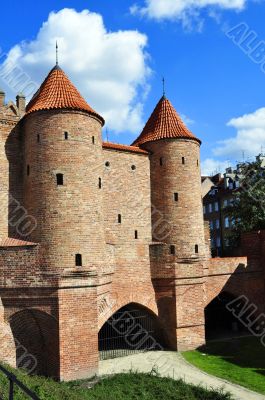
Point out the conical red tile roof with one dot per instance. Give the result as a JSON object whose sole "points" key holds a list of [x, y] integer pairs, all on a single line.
{"points": [[164, 123], [58, 92]]}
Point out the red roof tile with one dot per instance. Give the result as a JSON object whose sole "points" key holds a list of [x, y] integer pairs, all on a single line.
{"points": [[58, 92], [122, 147], [164, 123], [11, 242]]}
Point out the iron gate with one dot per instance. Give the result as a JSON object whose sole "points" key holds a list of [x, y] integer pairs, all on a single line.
{"points": [[129, 331]]}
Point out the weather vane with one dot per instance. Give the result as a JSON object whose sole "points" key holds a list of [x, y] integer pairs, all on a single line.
{"points": [[164, 91], [56, 52]]}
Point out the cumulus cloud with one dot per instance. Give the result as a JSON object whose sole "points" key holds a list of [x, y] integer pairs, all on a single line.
{"points": [[110, 69], [185, 11], [211, 166], [250, 136]]}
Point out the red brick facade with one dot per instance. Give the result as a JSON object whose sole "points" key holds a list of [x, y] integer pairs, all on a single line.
{"points": [[103, 226]]}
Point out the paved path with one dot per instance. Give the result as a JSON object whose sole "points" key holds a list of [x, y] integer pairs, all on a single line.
{"points": [[172, 364]]}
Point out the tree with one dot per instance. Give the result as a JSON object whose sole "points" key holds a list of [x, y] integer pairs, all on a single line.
{"points": [[247, 211]]}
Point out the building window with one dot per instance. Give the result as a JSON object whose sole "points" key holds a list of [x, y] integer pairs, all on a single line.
{"points": [[210, 208], [135, 234], [227, 223], [161, 161], [66, 135], [93, 139], [196, 249], [99, 183], [28, 170], [38, 138], [217, 224], [216, 206], [211, 225], [197, 163], [133, 167], [119, 218], [78, 260], [59, 179], [204, 210], [107, 164], [172, 250], [225, 203], [176, 196], [218, 241], [183, 160]]}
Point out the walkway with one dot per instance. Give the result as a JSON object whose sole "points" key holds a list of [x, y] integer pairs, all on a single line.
{"points": [[172, 364]]}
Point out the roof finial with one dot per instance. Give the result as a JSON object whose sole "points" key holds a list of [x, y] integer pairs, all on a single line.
{"points": [[56, 52], [164, 84]]}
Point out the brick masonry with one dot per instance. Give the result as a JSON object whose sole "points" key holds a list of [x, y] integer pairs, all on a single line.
{"points": [[135, 217]]}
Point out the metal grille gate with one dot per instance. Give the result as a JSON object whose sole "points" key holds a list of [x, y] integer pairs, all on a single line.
{"points": [[128, 331]]}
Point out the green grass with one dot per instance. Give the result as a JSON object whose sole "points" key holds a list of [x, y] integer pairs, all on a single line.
{"points": [[240, 361], [120, 387]]}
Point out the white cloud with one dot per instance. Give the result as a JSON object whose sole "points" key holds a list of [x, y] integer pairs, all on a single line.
{"points": [[186, 11], [211, 166], [249, 139], [109, 68]]}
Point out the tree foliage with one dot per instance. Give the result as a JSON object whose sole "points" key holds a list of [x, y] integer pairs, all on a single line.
{"points": [[247, 211]]}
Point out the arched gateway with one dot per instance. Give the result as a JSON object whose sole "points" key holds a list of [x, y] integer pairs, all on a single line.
{"points": [[131, 329]]}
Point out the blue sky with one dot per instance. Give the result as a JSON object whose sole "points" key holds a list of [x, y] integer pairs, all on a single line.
{"points": [[116, 55]]}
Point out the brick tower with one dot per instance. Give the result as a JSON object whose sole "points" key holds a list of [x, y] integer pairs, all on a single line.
{"points": [[62, 151], [61, 170], [177, 252]]}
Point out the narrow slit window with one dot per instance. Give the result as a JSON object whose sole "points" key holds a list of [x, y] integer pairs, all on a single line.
{"points": [[119, 218], [176, 196], [59, 179], [196, 249], [28, 170], [197, 163], [135, 234], [99, 183], [161, 161], [172, 250], [183, 160], [93, 139], [78, 260], [38, 138], [66, 135]]}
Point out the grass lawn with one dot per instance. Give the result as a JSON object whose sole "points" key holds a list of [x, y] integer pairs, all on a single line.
{"points": [[120, 387], [241, 361]]}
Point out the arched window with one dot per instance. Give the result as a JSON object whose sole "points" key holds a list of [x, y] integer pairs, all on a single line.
{"points": [[66, 135], [78, 260], [59, 179], [183, 160], [176, 196], [196, 249]]}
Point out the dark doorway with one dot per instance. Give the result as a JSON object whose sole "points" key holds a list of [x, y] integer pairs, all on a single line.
{"points": [[130, 330], [36, 337], [220, 323]]}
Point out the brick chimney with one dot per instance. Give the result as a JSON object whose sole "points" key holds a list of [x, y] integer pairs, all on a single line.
{"points": [[2, 98], [21, 103]]}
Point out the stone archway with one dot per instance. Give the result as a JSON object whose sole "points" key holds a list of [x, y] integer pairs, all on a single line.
{"points": [[7, 343], [131, 329], [36, 336]]}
